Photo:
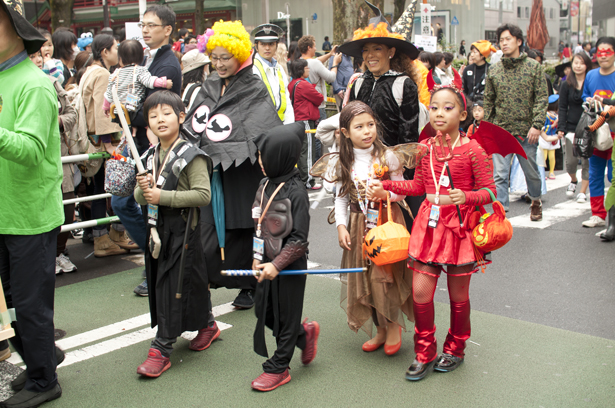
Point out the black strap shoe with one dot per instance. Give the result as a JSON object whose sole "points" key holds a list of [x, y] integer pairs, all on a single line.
{"points": [[447, 362], [418, 370]]}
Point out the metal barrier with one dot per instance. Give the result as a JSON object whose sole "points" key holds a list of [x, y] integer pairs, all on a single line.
{"points": [[91, 223]]}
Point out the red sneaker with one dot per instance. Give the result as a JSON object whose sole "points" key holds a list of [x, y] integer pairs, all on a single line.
{"points": [[312, 330], [154, 365], [269, 382], [204, 338]]}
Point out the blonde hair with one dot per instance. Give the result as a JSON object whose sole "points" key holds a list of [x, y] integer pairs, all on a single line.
{"points": [[232, 36], [281, 56]]}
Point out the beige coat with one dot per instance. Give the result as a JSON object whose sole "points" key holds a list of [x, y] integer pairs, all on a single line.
{"points": [[93, 98], [68, 117]]}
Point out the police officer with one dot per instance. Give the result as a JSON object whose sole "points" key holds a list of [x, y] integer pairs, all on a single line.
{"points": [[266, 38]]}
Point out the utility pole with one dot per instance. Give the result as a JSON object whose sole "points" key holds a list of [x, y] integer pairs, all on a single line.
{"points": [[106, 13]]}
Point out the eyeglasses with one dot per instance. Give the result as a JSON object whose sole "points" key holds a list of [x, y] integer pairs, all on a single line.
{"points": [[224, 60], [150, 25]]}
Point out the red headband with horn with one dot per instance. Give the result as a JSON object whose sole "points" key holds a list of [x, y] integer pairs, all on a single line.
{"points": [[456, 86]]}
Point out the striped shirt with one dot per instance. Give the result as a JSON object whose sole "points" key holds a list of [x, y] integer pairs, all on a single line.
{"points": [[131, 79]]}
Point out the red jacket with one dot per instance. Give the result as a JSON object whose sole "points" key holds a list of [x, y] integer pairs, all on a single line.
{"points": [[305, 99]]}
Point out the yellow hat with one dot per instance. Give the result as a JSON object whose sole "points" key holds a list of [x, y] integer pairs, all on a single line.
{"points": [[484, 47]]}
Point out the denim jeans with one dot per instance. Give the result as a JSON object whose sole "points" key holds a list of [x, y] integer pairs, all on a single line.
{"points": [[501, 173], [130, 214]]}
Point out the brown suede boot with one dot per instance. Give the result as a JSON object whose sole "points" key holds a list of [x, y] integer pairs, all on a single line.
{"points": [[103, 246], [120, 238]]}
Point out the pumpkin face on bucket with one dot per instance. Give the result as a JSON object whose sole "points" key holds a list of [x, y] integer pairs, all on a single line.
{"points": [[387, 243]]}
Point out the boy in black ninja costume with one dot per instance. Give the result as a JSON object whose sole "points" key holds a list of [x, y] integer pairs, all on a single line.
{"points": [[175, 186], [281, 216]]}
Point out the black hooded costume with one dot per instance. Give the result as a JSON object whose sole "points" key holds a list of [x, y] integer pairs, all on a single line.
{"points": [[224, 126], [285, 227]]}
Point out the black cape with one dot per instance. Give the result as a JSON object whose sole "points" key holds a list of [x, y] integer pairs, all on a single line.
{"points": [[225, 127]]}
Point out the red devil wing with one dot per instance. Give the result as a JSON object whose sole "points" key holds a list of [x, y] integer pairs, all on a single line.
{"points": [[494, 139], [426, 133]]}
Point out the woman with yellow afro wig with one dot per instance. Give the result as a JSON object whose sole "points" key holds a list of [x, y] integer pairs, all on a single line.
{"points": [[232, 36]]}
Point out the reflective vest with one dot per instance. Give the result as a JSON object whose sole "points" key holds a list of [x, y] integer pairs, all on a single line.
{"points": [[259, 65]]}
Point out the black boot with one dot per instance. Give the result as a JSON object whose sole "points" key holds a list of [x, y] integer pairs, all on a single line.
{"points": [[609, 234]]}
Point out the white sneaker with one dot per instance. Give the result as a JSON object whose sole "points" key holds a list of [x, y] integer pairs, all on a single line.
{"points": [[572, 187], [58, 267], [581, 198], [594, 221], [65, 263]]}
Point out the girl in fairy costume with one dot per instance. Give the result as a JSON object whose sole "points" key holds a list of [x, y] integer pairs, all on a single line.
{"points": [[379, 295]]}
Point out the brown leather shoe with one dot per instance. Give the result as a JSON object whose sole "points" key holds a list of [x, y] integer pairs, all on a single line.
{"points": [[154, 365], [536, 210], [103, 246], [269, 382], [120, 238], [205, 337]]}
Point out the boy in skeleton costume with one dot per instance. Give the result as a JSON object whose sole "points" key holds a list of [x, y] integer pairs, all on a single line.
{"points": [[282, 220]]}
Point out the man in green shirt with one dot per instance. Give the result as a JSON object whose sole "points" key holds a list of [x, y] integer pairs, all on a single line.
{"points": [[30, 205]]}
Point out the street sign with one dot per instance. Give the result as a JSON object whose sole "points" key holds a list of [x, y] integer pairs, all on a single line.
{"points": [[427, 42], [113, 10], [455, 21], [425, 20]]}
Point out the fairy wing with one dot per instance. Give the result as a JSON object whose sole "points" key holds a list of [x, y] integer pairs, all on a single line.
{"points": [[409, 154], [326, 167]]}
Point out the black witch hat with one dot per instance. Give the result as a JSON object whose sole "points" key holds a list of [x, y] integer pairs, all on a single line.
{"points": [[354, 48], [32, 39]]}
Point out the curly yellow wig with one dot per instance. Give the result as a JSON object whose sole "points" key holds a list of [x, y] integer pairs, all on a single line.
{"points": [[232, 36], [375, 31]]}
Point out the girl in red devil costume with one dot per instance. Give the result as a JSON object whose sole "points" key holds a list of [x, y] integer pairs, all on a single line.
{"points": [[439, 241]]}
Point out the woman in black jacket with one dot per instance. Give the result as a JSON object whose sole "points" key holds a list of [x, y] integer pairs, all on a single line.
{"points": [[389, 87], [570, 110]]}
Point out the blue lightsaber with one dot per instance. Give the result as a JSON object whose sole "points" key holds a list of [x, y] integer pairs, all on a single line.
{"points": [[252, 272]]}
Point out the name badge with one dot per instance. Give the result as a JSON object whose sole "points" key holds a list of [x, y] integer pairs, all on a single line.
{"points": [[372, 218], [445, 181], [434, 216], [258, 248], [470, 73], [152, 214], [131, 102]]}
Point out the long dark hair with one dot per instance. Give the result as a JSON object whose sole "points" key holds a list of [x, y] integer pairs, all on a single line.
{"points": [[346, 160], [63, 42], [101, 42], [194, 76], [571, 79], [402, 63]]}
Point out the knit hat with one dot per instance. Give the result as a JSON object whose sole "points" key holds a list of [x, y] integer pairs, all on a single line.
{"points": [[193, 60], [484, 47], [32, 39]]}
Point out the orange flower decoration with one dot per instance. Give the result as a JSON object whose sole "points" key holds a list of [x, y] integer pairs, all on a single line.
{"points": [[378, 31]]}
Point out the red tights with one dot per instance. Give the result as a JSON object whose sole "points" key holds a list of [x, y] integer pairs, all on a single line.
{"points": [[424, 283]]}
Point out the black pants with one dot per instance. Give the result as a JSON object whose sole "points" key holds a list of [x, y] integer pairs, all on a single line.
{"points": [[27, 269], [290, 332]]}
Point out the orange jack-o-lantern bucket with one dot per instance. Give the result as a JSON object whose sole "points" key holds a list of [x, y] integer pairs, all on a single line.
{"points": [[387, 243], [494, 232]]}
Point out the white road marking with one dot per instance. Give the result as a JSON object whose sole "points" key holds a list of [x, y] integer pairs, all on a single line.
{"points": [[552, 215], [120, 341]]}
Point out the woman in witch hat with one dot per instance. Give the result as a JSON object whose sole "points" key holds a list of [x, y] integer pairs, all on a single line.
{"points": [[389, 86]]}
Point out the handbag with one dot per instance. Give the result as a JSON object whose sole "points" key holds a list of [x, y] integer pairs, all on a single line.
{"points": [[491, 231], [120, 175], [583, 145], [602, 136], [387, 243]]}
